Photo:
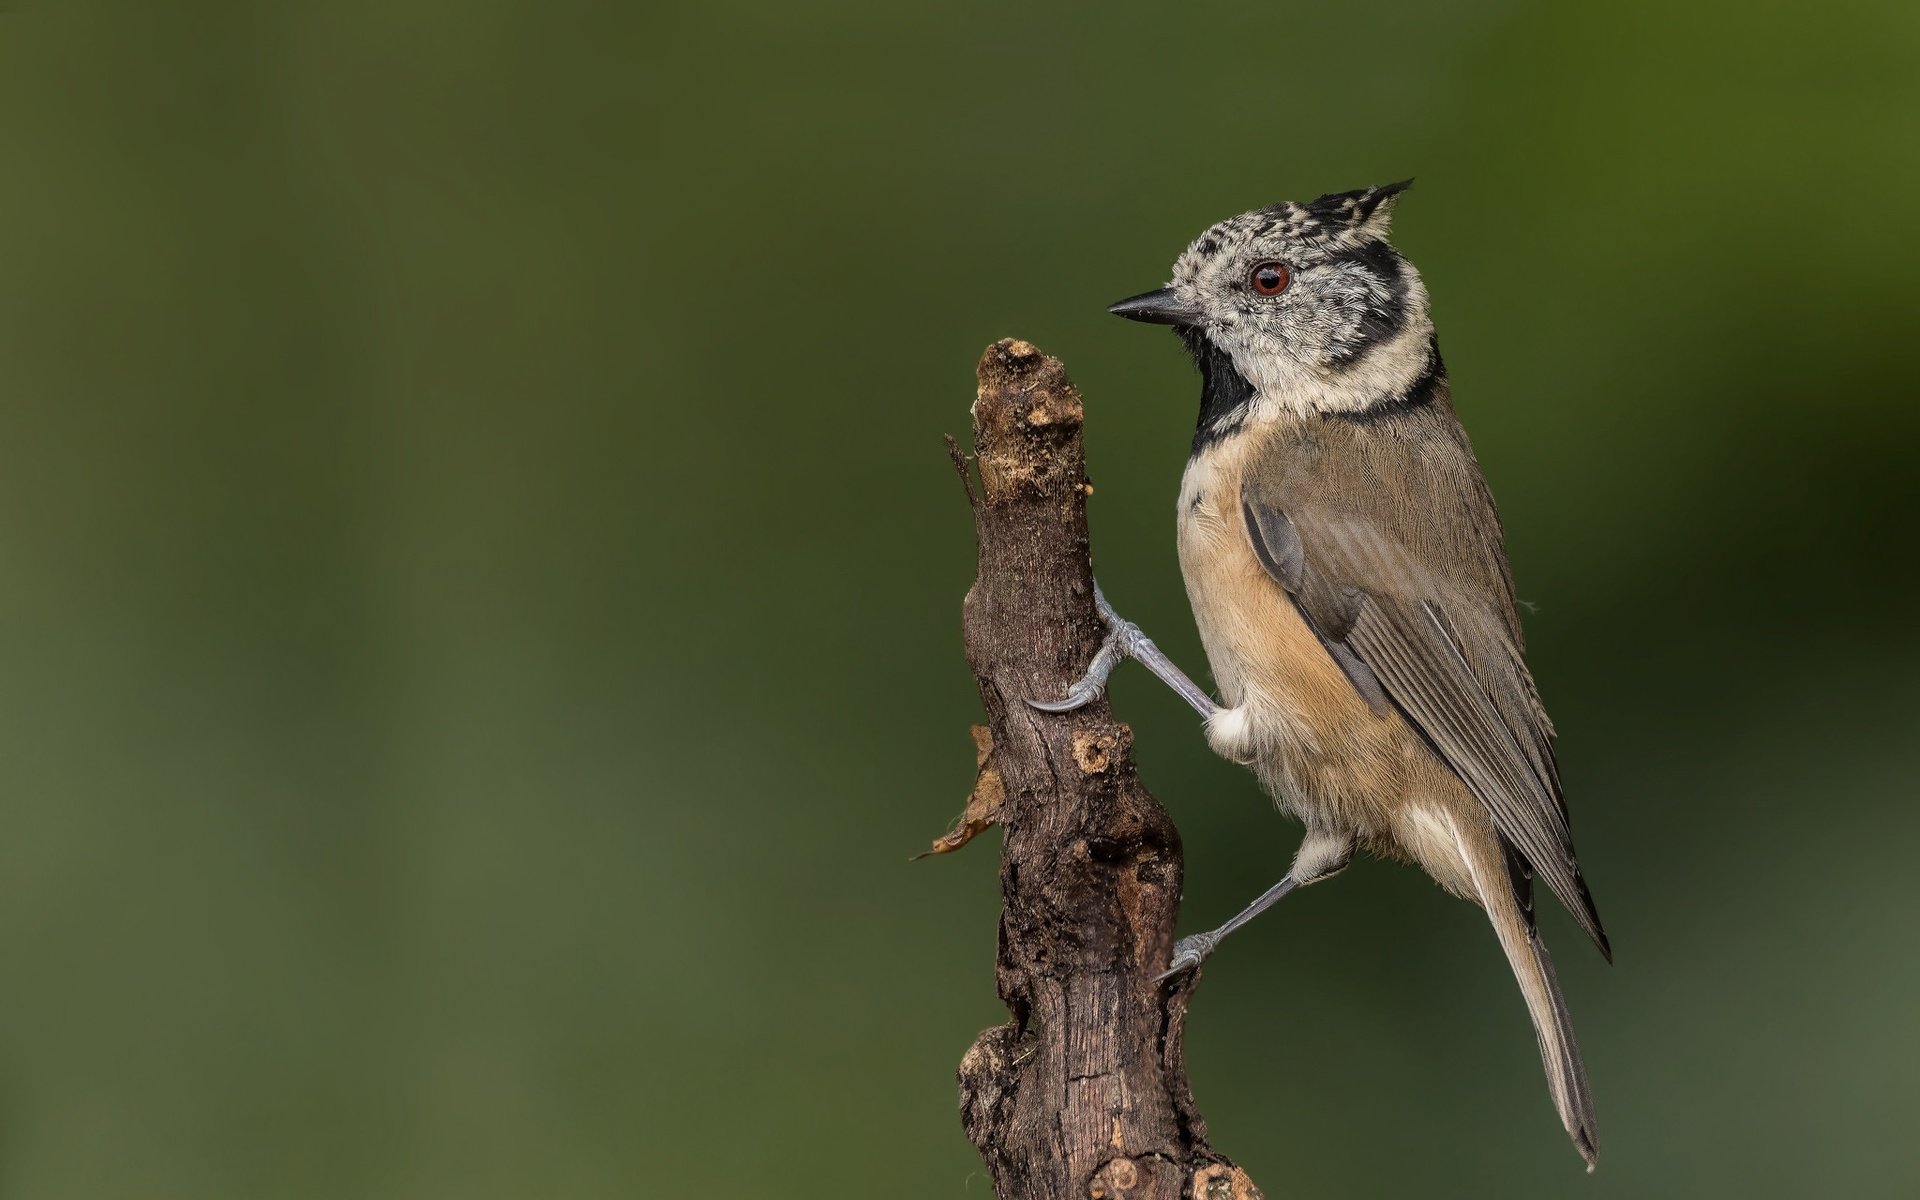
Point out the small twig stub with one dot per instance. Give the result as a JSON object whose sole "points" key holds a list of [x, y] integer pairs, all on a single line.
{"points": [[983, 802]]}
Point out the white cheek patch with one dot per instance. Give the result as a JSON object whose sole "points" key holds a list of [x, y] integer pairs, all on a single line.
{"points": [[1285, 386]]}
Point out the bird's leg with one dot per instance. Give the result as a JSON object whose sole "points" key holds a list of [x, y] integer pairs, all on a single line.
{"points": [[1124, 640], [1322, 855]]}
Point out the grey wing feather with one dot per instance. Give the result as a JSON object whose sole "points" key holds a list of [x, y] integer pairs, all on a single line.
{"points": [[1277, 545], [1445, 660]]}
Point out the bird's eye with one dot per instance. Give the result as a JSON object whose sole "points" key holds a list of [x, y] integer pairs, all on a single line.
{"points": [[1270, 278]]}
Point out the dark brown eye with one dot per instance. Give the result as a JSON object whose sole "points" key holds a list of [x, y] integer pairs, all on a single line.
{"points": [[1270, 278]]}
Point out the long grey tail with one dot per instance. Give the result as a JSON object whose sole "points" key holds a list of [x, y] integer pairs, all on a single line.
{"points": [[1559, 1050]]}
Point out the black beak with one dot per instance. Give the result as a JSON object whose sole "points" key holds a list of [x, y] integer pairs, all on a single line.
{"points": [[1156, 308]]}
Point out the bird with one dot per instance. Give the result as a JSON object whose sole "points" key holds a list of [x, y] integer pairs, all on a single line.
{"points": [[1347, 572]]}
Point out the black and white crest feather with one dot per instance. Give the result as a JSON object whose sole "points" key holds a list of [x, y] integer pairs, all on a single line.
{"points": [[1356, 216]]}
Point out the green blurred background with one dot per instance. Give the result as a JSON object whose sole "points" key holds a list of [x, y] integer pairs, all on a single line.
{"points": [[480, 580]]}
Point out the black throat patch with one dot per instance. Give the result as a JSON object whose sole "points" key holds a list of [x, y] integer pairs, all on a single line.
{"points": [[1224, 391]]}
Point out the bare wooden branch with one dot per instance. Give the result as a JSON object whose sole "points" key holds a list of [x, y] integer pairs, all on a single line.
{"points": [[1084, 1092]]}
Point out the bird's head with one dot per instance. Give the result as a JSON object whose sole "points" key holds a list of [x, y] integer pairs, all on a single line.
{"points": [[1312, 306]]}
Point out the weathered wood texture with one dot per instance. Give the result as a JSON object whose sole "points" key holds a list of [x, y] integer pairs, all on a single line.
{"points": [[1084, 1092]]}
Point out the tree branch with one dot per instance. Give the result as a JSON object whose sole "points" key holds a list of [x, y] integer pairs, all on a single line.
{"points": [[1084, 1092]]}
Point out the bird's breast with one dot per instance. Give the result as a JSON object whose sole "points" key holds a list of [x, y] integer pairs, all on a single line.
{"points": [[1290, 712]]}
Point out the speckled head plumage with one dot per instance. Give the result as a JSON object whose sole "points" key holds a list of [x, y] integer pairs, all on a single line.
{"points": [[1347, 329]]}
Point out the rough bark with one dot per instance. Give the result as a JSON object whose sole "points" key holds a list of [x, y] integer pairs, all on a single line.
{"points": [[1083, 1093]]}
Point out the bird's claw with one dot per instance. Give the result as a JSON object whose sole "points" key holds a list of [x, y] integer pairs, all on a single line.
{"points": [[1188, 953], [1079, 695], [1124, 640]]}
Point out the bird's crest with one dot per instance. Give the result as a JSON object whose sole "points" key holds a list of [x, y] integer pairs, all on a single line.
{"points": [[1362, 215]]}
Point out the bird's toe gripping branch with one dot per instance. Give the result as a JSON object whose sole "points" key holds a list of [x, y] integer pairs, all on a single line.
{"points": [[1188, 953], [1126, 640]]}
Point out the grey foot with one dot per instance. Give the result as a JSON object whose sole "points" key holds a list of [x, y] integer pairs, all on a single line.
{"points": [[1188, 953], [1125, 640]]}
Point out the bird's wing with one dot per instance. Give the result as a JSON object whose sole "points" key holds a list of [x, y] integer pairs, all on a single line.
{"points": [[1439, 644]]}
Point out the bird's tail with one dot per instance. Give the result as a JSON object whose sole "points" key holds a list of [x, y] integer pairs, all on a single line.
{"points": [[1559, 1052]]}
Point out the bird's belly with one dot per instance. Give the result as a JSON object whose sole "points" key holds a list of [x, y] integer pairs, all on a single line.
{"points": [[1290, 712]]}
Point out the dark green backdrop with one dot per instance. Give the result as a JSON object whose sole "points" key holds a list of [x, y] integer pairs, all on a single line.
{"points": [[479, 581]]}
